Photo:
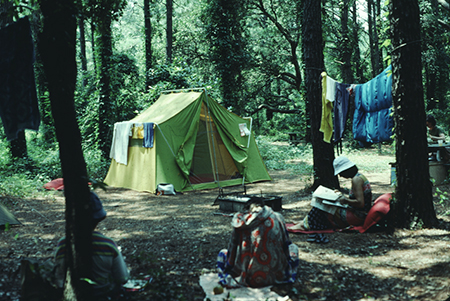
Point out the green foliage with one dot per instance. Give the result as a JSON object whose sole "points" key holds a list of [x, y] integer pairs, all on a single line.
{"points": [[224, 28], [281, 156], [99, 9], [178, 75], [24, 178]]}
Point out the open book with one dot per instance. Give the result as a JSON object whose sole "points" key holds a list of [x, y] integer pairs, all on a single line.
{"points": [[326, 199]]}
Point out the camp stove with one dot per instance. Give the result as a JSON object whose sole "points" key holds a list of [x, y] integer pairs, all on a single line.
{"points": [[238, 201]]}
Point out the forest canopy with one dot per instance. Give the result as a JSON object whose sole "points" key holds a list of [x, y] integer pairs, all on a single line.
{"points": [[247, 54]]}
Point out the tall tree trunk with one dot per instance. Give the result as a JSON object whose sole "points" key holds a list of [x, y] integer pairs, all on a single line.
{"points": [[83, 59], [346, 46], [357, 53], [169, 30], [413, 195], [104, 46], [19, 146], [379, 53], [430, 82], [373, 38], [225, 33], [148, 43], [57, 47], [93, 43], [441, 72], [47, 127], [323, 155]]}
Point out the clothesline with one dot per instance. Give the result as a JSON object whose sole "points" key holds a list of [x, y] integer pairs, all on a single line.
{"points": [[121, 138], [372, 121]]}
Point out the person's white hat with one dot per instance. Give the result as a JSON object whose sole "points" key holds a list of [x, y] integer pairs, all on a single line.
{"points": [[341, 163]]}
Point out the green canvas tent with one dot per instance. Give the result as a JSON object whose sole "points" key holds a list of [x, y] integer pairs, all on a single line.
{"points": [[6, 217], [191, 141]]}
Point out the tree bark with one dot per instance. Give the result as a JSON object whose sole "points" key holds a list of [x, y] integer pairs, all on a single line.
{"points": [[346, 46], [323, 154], [379, 53], [357, 53], [413, 195], [83, 59], [169, 30], [373, 38], [19, 146], [57, 47], [93, 43], [104, 46], [148, 43]]}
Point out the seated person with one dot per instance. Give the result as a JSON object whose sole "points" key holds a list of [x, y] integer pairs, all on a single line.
{"points": [[359, 200], [435, 135], [434, 132], [260, 252], [109, 271]]}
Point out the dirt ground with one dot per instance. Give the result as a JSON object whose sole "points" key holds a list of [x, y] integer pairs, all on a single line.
{"points": [[175, 239]]}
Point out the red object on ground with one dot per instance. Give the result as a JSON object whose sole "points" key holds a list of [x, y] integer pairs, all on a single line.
{"points": [[380, 208], [56, 184]]}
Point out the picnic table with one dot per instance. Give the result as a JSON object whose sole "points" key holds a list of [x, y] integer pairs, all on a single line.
{"points": [[438, 168]]}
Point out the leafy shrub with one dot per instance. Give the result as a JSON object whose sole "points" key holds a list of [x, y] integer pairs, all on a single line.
{"points": [[282, 156]]}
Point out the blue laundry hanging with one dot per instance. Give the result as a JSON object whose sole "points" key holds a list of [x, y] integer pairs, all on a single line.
{"points": [[372, 120], [148, 134], [19, 108], [341, 104]]}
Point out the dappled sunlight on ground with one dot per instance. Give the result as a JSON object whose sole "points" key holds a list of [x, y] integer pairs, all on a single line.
{"points": [[176, 238]]}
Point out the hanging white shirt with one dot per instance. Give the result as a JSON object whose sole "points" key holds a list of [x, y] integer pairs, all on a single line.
{"points": [[121, 138]]}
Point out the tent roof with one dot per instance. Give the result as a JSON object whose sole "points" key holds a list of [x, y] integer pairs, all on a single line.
{"points": [[7, 217], [167, 106]]}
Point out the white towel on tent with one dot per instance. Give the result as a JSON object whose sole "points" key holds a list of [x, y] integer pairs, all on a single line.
{"points": [[121, 138]]}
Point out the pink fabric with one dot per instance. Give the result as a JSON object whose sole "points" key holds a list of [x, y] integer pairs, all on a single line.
{"points": [[380, 208]]}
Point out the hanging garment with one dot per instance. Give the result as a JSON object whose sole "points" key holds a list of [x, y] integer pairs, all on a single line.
{"points": [[372, 121], [19, 108], [331, 89], [326, 125], [341, 104], [148, 134], [121, 139]]}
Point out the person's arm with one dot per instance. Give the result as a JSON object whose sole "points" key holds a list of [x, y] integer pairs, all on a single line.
{"points": [[357, 187], [60, 264], [120, 271], [440, 137], [438, 134]]}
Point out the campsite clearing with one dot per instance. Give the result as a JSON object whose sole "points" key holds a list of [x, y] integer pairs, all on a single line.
{"points": [[176, 238]]}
